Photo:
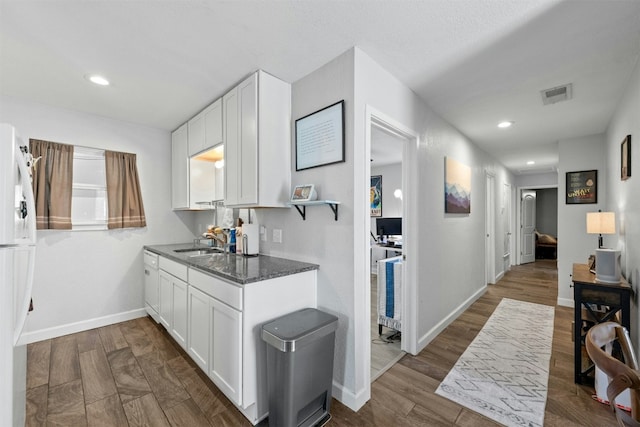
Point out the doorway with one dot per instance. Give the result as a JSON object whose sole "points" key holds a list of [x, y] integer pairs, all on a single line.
{"points": [[386, 245], [405, 142], [537, 214]]}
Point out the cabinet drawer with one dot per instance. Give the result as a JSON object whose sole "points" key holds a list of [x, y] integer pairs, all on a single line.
{"points": [[218, 289], [150, 259], [174, 268]]}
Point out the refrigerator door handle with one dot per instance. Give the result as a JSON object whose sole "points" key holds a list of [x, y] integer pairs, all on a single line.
{"points": [[27, 190]]}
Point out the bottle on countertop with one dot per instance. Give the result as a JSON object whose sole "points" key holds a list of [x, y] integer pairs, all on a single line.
{"points": [[239, 236], [232, 240]]}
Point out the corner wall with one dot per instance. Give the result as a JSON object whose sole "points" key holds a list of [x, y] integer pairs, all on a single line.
{"points": [[574, 244], [86, 279], [623, 195]]}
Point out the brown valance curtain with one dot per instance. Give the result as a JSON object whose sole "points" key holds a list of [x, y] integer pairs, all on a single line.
{"points": [[52, 184], [123, 191]]}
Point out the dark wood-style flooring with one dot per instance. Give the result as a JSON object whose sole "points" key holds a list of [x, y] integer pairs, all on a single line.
{"points": [[133, 373]]}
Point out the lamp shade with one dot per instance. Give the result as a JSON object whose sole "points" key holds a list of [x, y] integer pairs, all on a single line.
{"points": [[601, 222]]}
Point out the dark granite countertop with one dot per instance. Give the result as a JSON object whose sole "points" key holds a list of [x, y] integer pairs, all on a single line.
{"points": [[236, 268]]}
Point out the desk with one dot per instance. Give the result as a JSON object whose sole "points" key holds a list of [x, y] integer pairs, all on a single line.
{"points": [[588, 292], [396, 249]]}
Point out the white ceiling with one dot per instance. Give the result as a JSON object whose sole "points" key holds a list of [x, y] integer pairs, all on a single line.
{"points": [[475, 62]]}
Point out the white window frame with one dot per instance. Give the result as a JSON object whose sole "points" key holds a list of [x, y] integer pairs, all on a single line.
{"points": [[95, 189]]}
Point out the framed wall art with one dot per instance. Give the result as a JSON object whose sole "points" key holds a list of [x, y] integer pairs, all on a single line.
{"points": [[625, 158], [320, 137], [375, 195], [582, 187], [457, 187]]}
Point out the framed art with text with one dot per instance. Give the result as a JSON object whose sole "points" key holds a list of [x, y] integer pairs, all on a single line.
{"points": [[320, 137], [375, 195], [582, 187]]}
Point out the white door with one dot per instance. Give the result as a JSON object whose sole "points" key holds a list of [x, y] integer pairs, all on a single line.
{"points": [[231, 147], [248, 140], [199, 332], [490, 242], [225, 355], [180, 168], [528, 226], [165, 300], [179, 325], [506, 226]]}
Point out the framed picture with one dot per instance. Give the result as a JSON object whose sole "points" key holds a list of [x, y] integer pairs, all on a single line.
{"points": [[457, 187], [582, 187], [625, 158], [320, 137], [375, 195]]}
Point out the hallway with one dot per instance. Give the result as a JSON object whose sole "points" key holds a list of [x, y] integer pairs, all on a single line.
{"points": [[405, 394]]}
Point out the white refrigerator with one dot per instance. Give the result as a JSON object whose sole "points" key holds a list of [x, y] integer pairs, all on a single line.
{"points": [[17, 257]]}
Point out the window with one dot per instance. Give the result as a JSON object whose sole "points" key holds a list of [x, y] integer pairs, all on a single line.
{"points": [[89, 194]]}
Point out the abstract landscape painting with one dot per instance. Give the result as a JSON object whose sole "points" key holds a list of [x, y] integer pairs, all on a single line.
{"points": [[457, 187]]}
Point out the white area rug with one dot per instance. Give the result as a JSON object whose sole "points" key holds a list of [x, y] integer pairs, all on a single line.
{"points": [[503, 374]]}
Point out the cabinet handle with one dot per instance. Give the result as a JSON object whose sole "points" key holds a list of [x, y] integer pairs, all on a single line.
{"points": [[146, 272]]}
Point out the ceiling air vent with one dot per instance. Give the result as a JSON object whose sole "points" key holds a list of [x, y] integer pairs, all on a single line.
{"points": [[556, 94]]}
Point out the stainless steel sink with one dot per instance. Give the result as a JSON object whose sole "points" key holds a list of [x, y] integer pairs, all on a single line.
{"points": [[198, 251]]}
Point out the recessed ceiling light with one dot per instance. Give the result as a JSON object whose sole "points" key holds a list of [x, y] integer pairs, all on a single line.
{"points": [[531, 162], [504, 125], [99, 80]]}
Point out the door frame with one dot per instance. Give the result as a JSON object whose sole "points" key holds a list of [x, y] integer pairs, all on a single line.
{"points": [[490, 228], [518, 259], [409, 343]]}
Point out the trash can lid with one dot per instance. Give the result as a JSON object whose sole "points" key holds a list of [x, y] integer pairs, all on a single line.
{"points": [[299, 328]]}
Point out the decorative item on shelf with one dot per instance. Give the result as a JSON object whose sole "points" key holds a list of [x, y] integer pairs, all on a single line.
{"points": [[607, 261], [304, 193], [375, 195], [625, 158], [581, 187]]}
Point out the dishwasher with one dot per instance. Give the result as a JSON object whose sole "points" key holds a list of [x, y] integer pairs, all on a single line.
{"points": [[151, 285]]}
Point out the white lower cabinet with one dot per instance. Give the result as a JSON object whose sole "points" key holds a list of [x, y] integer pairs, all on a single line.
{"points": [[219, 322], [179, 326], [199, 329], [225, 355]]}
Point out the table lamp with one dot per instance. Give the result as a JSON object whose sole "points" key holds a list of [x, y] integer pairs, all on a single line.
{"points": [[601, 223], [607, 260]]}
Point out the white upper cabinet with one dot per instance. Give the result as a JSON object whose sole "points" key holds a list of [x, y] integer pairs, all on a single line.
{"points": [[180, 168], [197, 153], [257, 140], [205, 129]]}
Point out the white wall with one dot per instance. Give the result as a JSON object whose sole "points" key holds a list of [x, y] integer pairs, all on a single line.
{"points": [[539, 179], [574, 244], [85, 279], [623, 195], [320, 239], [391, 180], [450, 274], [547, 211]]}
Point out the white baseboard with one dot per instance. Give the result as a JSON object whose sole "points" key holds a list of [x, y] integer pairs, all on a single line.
{"points": [[499, 276], [348, 399], [433, 332], [565, 302], [84, 325]]}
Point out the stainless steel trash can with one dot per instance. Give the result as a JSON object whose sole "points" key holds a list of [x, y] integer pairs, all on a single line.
{"points": [[300, 367]]}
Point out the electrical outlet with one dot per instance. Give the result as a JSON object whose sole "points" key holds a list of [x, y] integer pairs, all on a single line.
{"points": [[277, 235]]}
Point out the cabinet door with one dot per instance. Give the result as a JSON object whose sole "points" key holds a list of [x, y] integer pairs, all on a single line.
{"points": [[231, 147], [248, 141], [213, 125], [151, 291], [225, 356], [180, 168], [199, 336], [165, 300], [179, 313], [196, 134]]}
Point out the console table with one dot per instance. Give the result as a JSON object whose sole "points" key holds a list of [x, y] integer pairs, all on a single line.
{"points": [[587, 294]]}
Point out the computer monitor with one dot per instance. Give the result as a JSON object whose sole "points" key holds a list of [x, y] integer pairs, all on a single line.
{"points": [[389, 226]]}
